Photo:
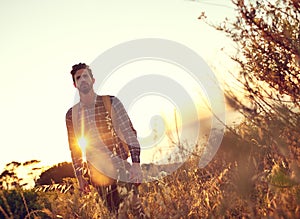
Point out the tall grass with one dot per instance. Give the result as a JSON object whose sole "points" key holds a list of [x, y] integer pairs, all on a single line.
{"points": [[250, 177]]}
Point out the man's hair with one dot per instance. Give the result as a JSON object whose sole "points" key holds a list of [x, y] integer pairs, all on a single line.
{"points": [[79, 66]]}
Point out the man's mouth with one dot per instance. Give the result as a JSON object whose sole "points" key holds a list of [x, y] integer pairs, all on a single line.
{"points": [[83, 84]]}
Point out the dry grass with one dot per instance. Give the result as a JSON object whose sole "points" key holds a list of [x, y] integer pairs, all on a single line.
{"points": [[250, 177]]}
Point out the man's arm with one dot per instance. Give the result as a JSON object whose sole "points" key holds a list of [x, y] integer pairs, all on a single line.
{"points": [[76, 153], [123, 122]]}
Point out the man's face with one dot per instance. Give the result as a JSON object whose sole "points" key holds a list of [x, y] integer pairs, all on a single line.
{"points": [[83, 81]]}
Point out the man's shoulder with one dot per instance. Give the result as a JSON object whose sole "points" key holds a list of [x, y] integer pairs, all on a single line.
{"points": [[69, 112], [111, 97], [106, 95]]}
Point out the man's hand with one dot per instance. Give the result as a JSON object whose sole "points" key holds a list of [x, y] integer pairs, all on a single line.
{"points": [[135, 173], [83, 185]]}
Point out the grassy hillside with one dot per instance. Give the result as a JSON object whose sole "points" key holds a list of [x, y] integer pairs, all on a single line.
{"points": [[250, 177]]}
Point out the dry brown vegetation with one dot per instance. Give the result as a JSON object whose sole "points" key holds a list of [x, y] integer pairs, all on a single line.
{"points": [[248, 178]]}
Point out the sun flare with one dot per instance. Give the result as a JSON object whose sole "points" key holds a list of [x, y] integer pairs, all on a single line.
{"points": [[82, 143]]}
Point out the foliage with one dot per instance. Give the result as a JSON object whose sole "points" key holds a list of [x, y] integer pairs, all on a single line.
{"points": [[17, 203], [267, 39], [265, 147], [268, 42], [247, 178], [66, 201], [9, 178], [56, 174]]}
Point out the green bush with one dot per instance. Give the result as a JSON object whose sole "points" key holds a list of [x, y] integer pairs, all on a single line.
{"points": [[18, 203]]}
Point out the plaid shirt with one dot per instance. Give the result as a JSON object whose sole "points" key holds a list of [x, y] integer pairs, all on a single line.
{"points": [[96, 124]]}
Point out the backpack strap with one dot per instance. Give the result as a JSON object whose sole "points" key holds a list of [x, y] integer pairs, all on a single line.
{"points": [[107, 104]]}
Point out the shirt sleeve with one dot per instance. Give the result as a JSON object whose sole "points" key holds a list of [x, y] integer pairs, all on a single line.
{"points": [[124, 124], [76, 153]]}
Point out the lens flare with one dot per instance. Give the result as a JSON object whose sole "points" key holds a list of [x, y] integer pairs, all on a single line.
{"points": [[82, 143]]}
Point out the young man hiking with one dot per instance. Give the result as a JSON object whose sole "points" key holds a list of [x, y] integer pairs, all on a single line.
{"points": [[101, 138]]}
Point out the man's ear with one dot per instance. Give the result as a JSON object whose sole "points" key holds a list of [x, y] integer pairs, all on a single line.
{"points": [[93, 80]]}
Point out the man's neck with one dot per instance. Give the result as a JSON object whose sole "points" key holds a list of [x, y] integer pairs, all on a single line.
{"points": [[87, 99]]}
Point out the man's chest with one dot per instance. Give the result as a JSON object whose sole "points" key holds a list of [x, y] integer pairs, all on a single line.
{"points": [[94, 119]]}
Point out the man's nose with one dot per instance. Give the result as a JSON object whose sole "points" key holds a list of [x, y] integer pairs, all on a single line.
{"points": [[81, 79]]}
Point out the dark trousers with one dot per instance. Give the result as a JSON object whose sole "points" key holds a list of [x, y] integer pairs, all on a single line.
{"points": [[110, 196]]}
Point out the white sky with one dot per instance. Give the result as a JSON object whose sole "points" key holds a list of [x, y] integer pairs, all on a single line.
{"points": [[41, 40]]}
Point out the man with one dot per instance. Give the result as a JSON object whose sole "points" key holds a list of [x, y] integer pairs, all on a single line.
{"points": [[99, 132]]}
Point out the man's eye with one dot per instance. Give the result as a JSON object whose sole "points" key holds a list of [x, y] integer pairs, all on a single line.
{"points": [[85, 76], [77, 78]]}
